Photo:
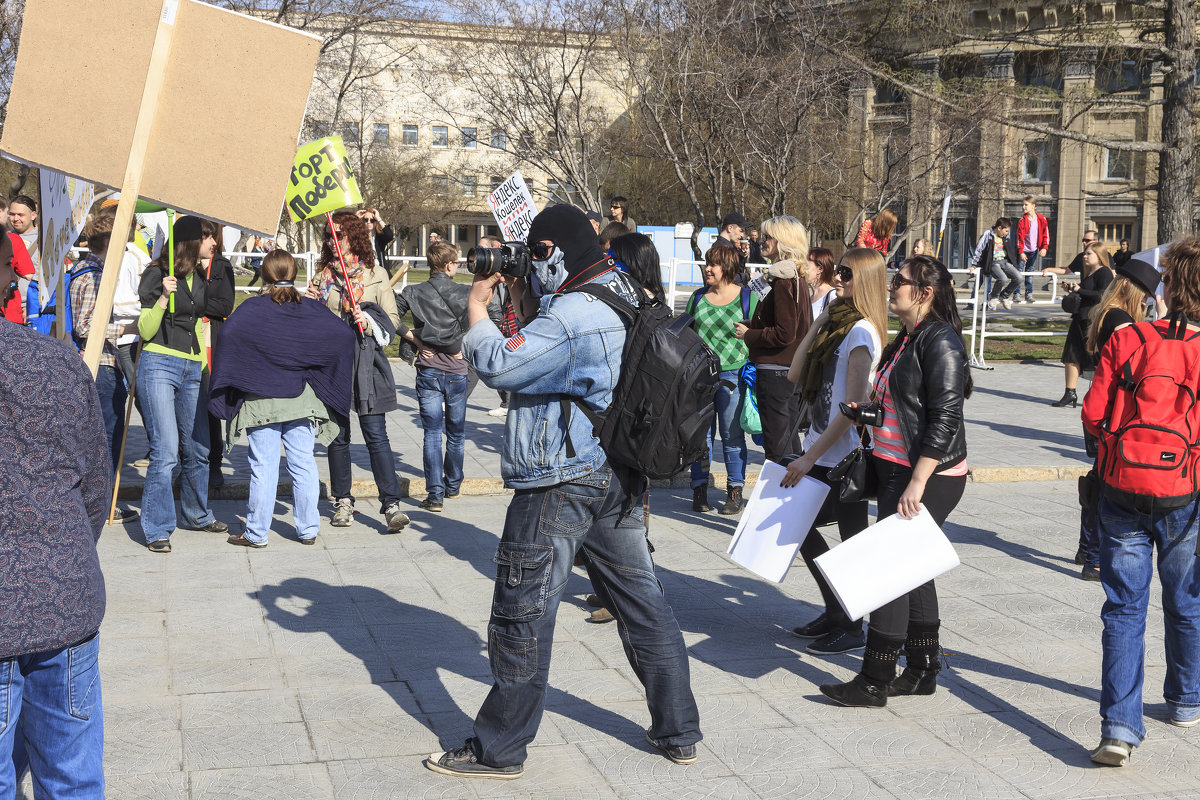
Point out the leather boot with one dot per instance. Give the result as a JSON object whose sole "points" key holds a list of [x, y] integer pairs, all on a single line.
{"points": [[1069, 398], [921, 663], [733, 502], [700, 499], [869, 689]]}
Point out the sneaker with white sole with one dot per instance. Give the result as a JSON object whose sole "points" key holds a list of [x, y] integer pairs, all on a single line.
{"points": [[461, 763], [498, 412], [396, 519], [993, 305], [840, 641], [1112, 753], [1185, 718], [679, 753], [1006, 302], [343, 512]]}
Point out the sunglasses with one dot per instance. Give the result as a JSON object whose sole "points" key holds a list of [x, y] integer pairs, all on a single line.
{"points": [[844, 272], [541, 251], [1088, 241], [899, 280]]}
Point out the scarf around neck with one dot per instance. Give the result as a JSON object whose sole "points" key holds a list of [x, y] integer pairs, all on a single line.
{"points": [[842, 317], [332, 279]]}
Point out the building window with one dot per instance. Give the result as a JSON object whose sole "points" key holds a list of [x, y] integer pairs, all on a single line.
{"points": [[470, 184], [350, 132], [441, 183], [441, 136], [321, 128], [525, 142], [497, 139], [463, 233], [1035, 166], [1118, 165], [495, 182], [408, 135], [469, 136], [1126, 75], [382, 133], [1111, 233]]}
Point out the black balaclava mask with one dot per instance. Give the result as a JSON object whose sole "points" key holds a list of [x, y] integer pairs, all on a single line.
{"points": [[572, 234]]}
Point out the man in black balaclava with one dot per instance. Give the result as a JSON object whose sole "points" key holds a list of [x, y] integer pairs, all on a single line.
{"points": [[567, 498]]}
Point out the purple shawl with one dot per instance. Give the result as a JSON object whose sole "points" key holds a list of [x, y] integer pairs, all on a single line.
{"points": [[272, 350]]}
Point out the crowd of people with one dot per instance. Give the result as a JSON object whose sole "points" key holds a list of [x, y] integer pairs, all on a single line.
{"points": [[807, 350]]}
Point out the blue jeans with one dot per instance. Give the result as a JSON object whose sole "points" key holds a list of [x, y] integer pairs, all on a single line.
{"points": [[52, 721], [545, 527], [443, 400], [110, 386], [298, 437], [728, 402], [1128, 540], [379, 448], [177, 425], [1032, 263]]}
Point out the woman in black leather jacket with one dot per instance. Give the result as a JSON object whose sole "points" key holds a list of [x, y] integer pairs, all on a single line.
{"points": [[920, 459]]}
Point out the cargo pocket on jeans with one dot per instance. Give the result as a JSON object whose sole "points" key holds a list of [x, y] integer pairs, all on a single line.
{"points": [[83, 686], [6, 672], [513, 658], [522, 581]]}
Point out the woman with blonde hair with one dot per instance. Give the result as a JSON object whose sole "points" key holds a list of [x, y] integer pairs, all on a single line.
{"points": [[833, 365], [1123, 304], [876, 233], [924, 247], [773, 333], [1079, 301]]}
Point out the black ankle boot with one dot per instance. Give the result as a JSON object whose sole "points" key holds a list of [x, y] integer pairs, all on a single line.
{"points": [[869, 689], [700, 499], [733, 502], [921, 664], [1069, 398]]}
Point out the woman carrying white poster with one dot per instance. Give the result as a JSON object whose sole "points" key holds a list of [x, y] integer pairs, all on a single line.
{"points": [[920, 459]]}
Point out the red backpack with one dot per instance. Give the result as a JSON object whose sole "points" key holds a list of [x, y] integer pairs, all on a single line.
{"points": [[1150, 444]]}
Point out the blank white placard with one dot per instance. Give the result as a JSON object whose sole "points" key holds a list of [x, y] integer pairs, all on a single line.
{"points": [[888, 559], [775, 522]]}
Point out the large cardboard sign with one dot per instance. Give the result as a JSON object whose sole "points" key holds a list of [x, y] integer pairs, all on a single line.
{"points": [[512, 206], [228, 117], [322, 180], [64, 209]]}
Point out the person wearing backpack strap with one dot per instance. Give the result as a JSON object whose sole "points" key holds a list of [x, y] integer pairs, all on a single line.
{"points": [[568, 498], [1142, 406], [717, 307]]}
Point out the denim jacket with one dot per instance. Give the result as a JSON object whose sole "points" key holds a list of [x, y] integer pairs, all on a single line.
{"points": [[572, 348]]}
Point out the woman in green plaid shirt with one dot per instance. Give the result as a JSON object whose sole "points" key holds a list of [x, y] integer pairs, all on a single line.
{"points": [[716, 310]]}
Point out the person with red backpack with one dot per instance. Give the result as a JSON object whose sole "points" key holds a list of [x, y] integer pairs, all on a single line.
{"points": [[1143, 408]]}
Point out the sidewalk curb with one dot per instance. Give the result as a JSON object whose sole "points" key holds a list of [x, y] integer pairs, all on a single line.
{"points": [[477, 487]]}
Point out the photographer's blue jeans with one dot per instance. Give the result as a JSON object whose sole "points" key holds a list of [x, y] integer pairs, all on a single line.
{"points": [[298, 437], [1128, 540], [176, 423], [543, 530], [442, 397], [728, 402], [52, 722]]}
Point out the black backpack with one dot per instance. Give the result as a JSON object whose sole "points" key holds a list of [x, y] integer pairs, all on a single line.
{"points": [[662, 406]]}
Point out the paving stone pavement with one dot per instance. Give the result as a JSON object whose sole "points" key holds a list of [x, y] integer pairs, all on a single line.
{"points": [[330, 671], [1010, 423]]}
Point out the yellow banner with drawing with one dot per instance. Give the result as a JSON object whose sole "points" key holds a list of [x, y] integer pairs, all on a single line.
{"points": [[322, 180]]}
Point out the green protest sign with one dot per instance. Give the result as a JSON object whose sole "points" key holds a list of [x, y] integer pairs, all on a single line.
{"points": [[322, 180]]}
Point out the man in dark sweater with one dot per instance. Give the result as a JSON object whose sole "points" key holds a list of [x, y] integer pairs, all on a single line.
{"points": [[53, 499]]}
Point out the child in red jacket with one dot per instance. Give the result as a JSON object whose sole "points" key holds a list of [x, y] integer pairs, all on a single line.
{"points": [[1033, 240]]}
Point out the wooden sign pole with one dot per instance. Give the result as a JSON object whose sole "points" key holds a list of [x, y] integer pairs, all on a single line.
{"points": [[133, 180]]}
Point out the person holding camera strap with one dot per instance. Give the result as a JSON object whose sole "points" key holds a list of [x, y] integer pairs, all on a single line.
{"points": [[567, 498], [920, 459], [833, 365]]}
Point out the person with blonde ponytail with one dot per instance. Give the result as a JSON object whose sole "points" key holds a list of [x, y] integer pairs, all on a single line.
{"points": [[283, 367]]}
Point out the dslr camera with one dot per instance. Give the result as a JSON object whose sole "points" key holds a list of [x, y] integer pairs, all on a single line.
{"points": [[511, 259], [870, 414]]}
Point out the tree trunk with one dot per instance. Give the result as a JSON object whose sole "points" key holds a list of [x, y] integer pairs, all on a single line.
{"points": [[1176, 178]]}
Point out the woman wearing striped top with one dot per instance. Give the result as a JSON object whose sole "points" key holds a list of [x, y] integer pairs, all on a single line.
{"points": [[920, 459]]}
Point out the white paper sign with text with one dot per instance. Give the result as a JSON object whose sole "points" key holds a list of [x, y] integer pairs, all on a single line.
{"points": [[512, 206], [65, 205]]}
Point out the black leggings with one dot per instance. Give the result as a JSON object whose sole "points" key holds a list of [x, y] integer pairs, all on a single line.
{"points": [[942, 493], [851, 519]]}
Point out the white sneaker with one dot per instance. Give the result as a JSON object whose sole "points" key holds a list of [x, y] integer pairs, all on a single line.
{"points": [[498, 412], [1028, 299], [993, 305], [1006, 302]]}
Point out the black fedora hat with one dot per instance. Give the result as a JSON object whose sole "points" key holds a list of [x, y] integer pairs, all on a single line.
{"points": [[1141, 273]]}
